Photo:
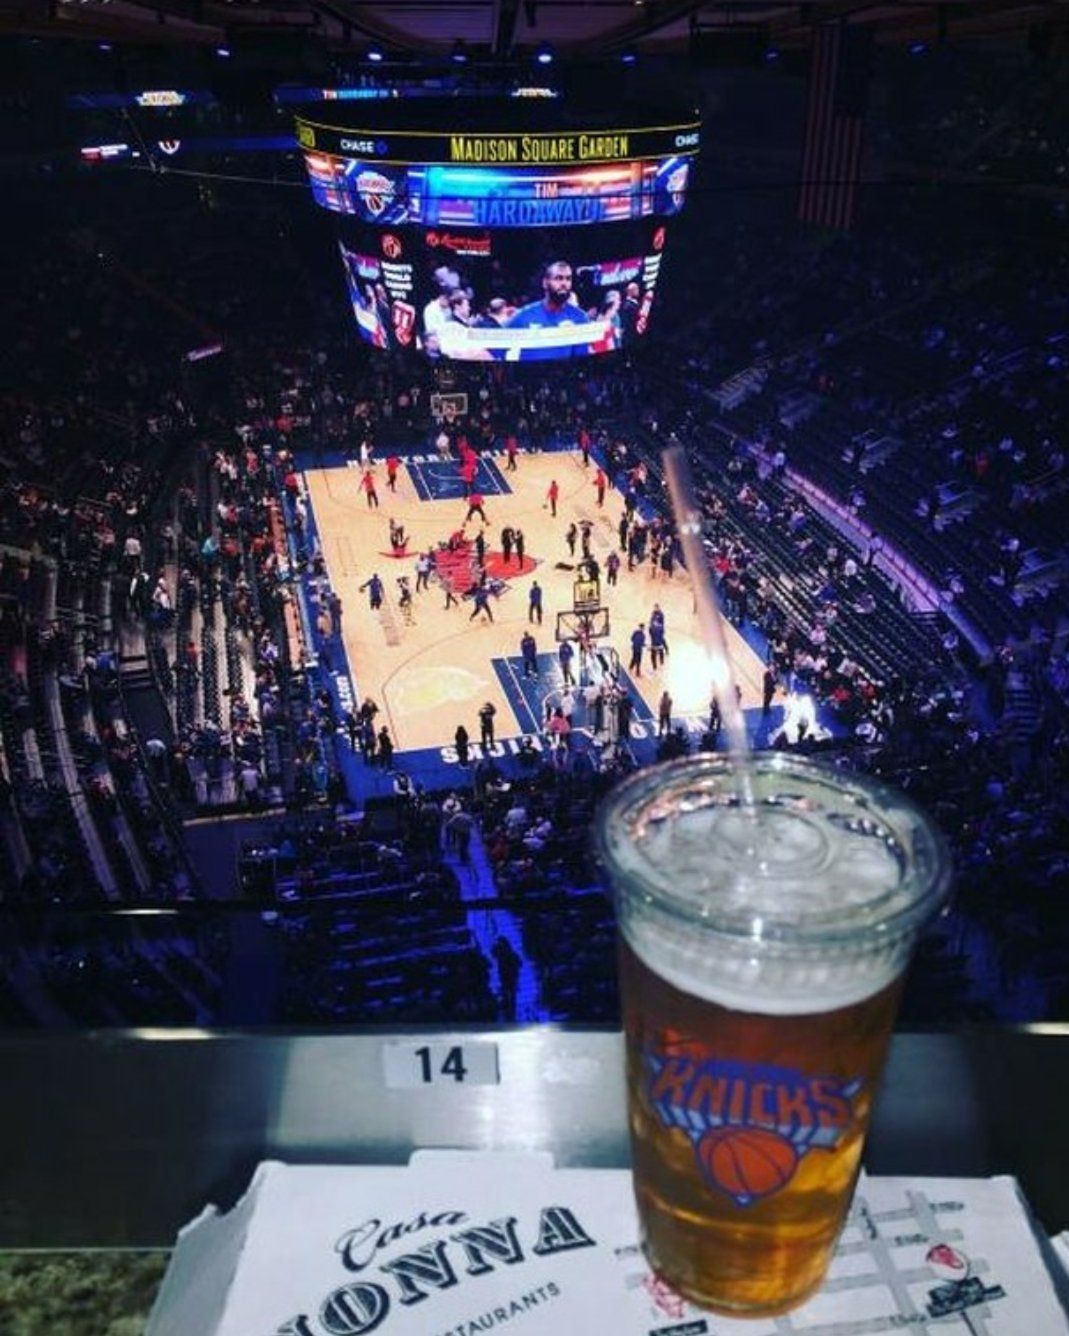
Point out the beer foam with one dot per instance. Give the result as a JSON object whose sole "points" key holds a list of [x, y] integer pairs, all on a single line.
{"points": [[809, 903]]}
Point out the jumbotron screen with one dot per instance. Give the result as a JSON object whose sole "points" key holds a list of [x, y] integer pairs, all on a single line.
{"points": [[444, 196], [506, 296], [511, 245]]}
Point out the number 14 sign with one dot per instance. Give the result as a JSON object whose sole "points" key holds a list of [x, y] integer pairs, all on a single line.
{"points": [[409, 1066]]}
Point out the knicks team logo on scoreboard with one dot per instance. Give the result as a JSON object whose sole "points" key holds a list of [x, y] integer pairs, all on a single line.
{"points": [[376, 190], [749, 1124]]}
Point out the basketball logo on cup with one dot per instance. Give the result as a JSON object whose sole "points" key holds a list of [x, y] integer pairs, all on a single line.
{"points": [[746, 1162], [749, 1124]]}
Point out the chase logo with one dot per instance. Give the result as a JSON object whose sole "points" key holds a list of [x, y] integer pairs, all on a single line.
{"points": [[749, 1125], [375, 147]]}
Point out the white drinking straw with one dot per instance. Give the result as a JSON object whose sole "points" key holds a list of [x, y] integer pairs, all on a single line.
{"points": [[710, 619]]}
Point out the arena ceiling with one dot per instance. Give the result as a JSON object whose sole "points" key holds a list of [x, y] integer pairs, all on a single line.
{"points": [[502, 29]]}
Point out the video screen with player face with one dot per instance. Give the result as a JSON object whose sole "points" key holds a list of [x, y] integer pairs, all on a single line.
{"points": [[504, 295], [542, 238]]}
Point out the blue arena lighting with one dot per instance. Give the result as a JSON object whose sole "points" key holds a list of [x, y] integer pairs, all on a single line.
{"points": [[544, 55], [918, 48], [628, 58], [376, 55], [771, 54], [459, 55], [223, 52]]}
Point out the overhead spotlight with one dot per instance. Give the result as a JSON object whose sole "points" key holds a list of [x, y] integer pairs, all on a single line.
{"points": [[771, 54], [544, 55], [628, 57], [459, 54], [918, 48], [376, 55], [103, 46], [223, 52]]}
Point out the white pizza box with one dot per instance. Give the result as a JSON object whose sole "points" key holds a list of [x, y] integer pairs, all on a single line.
{"points": [[459, 1244]]}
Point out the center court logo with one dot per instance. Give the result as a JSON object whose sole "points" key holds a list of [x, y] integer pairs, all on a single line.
{"points": [[749, 1124]]}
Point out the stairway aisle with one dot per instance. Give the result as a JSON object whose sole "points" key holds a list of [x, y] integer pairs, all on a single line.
{"points": [[486, 925]]}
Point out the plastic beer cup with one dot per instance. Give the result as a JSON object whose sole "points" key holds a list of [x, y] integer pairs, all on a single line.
{"points": [[762, 950]]}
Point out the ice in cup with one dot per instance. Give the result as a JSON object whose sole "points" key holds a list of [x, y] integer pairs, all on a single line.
{"points": [[762, 951]]}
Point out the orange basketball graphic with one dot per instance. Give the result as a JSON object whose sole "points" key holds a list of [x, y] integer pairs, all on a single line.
{"points": [[746, 1162]]}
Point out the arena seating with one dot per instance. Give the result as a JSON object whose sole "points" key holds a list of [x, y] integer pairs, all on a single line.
{"points": [[856, 355]]}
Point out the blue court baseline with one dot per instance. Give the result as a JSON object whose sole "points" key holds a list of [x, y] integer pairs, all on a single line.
{"points": [[642, 712], [440, 480], [415, 451], [526, 695], [423, 491], [520, 691], [489, 467]]}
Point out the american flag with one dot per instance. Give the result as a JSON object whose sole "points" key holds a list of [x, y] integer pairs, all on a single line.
{"points": [[835, 125]]}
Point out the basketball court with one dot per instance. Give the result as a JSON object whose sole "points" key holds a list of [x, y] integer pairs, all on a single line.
{"points": [[435, 671]]}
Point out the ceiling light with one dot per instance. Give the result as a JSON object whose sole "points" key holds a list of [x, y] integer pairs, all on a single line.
{"points": [[544, 55], [376, 55]]}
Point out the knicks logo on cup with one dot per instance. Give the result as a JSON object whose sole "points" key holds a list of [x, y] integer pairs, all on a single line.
{"points": [[749, 1124]]}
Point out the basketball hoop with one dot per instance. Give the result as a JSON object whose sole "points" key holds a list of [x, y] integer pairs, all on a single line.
{"points": [[449, 408], [586, 595]]}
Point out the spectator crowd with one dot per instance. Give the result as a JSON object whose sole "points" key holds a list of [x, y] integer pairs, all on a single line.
{"points": [[878, 439]]}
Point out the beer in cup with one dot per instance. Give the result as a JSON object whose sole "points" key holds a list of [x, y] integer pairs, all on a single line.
{"points": [[762, 948]]}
